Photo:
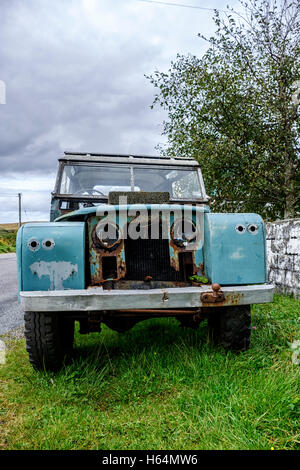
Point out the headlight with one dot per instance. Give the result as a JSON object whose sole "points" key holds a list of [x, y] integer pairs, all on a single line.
{"points": [[108, 234], [183, 232]]}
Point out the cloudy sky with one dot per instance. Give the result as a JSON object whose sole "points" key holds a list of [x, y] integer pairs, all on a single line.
{"points": [[74, 75]]}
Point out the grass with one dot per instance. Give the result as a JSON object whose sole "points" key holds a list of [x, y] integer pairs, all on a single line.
{"points": [[159, 387], [7, 240]]}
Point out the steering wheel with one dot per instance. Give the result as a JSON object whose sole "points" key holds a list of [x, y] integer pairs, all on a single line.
{"points": [[89, 191]]}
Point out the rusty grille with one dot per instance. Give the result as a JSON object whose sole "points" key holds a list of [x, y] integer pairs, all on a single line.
{"points": [[149, 258]]}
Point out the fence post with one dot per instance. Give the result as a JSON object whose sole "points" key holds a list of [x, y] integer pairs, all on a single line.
{"points": [[20, 209]]}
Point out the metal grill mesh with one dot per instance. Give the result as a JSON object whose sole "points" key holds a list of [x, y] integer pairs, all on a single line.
{"points": [[149, 258]]}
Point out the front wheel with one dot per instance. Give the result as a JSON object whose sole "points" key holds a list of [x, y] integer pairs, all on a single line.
{"points": [[230, 327], [49, 339]]}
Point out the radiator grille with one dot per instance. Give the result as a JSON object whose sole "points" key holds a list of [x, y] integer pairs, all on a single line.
{"points": [[149, 258]]}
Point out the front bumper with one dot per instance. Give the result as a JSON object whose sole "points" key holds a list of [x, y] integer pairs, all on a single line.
{"points": [[97, 299]]}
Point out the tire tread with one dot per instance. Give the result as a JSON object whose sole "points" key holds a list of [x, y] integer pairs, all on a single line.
{"points": [[49, 339], [230, 327]]}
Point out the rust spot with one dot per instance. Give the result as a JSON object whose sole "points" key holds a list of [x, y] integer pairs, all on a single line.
{"points": [[215, 296], [98, 252], [234, 299], [211, 297], [177, 249], [100, 246], [174, 261], [216, 287], [181, 259], [200, 267], [229, 299], [66, 211], [129, 284]]}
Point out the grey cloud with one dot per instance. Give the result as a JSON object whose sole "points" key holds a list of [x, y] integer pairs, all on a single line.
{"points": [[74, 73]]}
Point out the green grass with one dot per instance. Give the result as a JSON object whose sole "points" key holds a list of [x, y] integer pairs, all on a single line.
{"points": [[7, 241], [159, 387]]}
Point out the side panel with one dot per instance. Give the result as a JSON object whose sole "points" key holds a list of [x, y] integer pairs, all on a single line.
{"points": [[19, 258], [233, 257], [51, 256]]}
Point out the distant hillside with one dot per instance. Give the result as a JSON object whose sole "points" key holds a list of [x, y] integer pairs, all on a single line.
{"points": [[9, 226], [15, 226]]}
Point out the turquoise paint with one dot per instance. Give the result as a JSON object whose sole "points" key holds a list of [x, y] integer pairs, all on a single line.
{"points": [[199, 257], [231, 258], [81, 213], [19, 260], [61, 267]]}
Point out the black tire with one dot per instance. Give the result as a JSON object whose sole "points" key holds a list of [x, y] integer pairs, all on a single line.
{"points": [[230, 327], [49, 339]]}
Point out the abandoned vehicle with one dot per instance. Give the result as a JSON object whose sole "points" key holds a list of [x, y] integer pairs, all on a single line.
{"points": [[132, 238]]}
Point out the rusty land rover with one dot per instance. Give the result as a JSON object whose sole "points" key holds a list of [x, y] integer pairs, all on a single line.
{"points": [[130, 238]]}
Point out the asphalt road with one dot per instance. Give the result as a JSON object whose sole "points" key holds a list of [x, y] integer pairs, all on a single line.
{"points": [[11, 314]]}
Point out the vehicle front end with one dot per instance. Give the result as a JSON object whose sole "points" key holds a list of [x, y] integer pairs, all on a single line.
{"points": [[129, 253]]}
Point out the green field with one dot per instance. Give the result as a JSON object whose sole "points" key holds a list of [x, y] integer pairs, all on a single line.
{"points": [[7, 240], [159, 386]]}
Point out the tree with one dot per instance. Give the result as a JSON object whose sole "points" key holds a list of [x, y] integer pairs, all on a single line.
{"points": [[236, 109]]}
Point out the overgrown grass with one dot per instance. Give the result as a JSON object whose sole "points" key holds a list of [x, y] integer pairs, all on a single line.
{"points": [[7, 241], [159, 387]]}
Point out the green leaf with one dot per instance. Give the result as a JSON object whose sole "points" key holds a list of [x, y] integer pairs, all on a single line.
{"points": [[200, 279]]}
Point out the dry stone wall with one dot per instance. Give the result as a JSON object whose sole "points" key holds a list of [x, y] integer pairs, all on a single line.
{"points": [[283, 252]]}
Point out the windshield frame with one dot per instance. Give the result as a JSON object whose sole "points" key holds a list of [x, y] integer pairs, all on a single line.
{"points": [[130, 165]]}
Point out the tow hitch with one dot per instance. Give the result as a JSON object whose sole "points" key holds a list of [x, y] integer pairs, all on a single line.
{"points": [[215, 296]]}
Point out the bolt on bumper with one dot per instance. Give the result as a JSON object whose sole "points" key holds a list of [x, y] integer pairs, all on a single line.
{"points": [[97, 299]]}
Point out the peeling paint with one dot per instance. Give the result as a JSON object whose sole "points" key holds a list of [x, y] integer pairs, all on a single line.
{"points": [[238, 254], [57, 271]]}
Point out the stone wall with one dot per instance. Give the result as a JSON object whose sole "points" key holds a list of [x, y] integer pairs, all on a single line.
{"points": [[283, 252]]}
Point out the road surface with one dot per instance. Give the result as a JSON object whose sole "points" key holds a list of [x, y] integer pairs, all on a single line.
{"points": [[11, 314]]}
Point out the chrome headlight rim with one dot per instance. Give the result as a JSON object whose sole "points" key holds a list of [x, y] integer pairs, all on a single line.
{"points": [[188, 238], [106, 242]]}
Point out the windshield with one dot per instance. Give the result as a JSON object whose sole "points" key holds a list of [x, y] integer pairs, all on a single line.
{"points": [[99, 180]]}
